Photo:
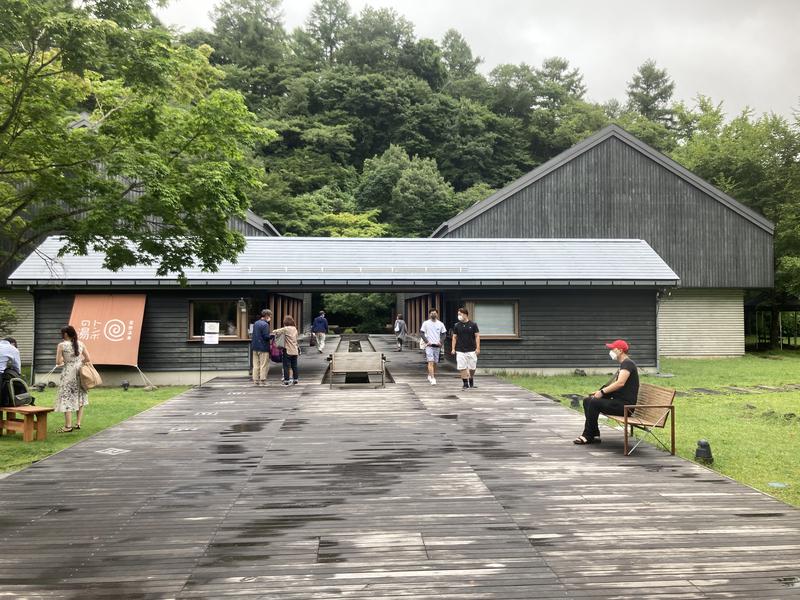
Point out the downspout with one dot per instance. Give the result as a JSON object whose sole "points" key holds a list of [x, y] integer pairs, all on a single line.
{"points": [[33, 350], [658, 329]]}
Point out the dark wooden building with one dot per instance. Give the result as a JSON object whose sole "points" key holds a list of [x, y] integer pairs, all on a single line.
{"points": [[541, 304], [613, 185]]}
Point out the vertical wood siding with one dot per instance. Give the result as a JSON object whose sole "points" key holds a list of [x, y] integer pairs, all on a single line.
{"points": [[614, 191], [569, 328], [23, 328], [701, 323], [164, 345]]}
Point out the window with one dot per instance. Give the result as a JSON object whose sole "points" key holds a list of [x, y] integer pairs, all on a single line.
{"points": [[496, 318], [232, 321]]}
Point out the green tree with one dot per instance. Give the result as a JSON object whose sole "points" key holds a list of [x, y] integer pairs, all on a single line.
{"points": [[457, 56], [160, 159], [369, 313], [650, 93], [412, 196], [375, 39], [327, 25], [8, 317], [249, 33], [472, 195]]}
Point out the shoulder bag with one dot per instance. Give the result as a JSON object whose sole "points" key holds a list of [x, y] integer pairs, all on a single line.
{"points": [[89, 377]]}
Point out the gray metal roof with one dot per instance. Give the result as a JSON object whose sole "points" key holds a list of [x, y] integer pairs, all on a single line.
{"points": [[388, 262], [581, 147]]}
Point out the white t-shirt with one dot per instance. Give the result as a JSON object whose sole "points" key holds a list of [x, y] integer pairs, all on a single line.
{"points": [[433, 331]]}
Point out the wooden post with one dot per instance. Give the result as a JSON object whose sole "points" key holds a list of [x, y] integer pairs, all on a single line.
{"points": [[672, 429]]}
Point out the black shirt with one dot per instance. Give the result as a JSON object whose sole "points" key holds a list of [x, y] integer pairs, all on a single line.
{"points": [[629, 391], [465, 342]]}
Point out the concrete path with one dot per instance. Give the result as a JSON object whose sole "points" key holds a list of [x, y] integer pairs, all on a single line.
{"points": [[414, 491]]}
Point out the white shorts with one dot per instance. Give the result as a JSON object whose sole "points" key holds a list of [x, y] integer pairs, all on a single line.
{"points": [[466, 360], [432, 353]]}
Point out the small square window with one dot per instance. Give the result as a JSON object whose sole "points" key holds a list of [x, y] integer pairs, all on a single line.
{"points": [[224, 312], [496, 318]]}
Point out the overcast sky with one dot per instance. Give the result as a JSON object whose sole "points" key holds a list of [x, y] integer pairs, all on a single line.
{"points": [[742, 52]]}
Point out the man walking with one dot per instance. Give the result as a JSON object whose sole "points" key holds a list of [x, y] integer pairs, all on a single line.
{"points": [[400, 332], [432, 332], [320, 329], [260, 346], [466, 347]]}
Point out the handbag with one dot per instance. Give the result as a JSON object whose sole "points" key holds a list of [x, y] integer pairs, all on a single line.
{"points": [[422, 343], [280, 340], [89, 377], [275, 353]]}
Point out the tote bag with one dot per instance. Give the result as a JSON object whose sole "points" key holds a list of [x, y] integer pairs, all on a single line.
{"points": [[275, 353], [89, 377]]}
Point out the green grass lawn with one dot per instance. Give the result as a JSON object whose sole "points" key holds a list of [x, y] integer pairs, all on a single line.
{"points": [[751, 439], [107, 407]]}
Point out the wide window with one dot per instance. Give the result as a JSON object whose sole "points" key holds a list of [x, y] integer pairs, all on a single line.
{"points": [[232, 320], [496, 318]]}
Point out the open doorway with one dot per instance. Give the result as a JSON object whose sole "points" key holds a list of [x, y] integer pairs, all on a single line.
{"points": [[357, 312]]}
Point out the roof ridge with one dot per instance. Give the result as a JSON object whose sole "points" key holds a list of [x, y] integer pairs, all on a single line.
{"points": [[611, 130]]}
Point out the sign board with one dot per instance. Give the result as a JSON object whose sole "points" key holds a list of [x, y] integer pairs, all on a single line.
{"points": [[211, 332], [110, 325]]}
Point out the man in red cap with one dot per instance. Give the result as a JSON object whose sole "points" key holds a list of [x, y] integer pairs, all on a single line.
{"points": [[610, 398]]}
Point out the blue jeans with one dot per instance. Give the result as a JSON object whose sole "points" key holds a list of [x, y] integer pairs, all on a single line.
{"points": [[289, 362]]}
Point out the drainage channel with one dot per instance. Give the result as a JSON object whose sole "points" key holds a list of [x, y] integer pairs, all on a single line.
{"points": [[355, 343]]}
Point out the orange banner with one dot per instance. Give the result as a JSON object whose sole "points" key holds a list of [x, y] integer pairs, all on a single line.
{"points": [[110, 326]]}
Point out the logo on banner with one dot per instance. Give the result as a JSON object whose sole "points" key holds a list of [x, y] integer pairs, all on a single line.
{"points": [[113, 330]]}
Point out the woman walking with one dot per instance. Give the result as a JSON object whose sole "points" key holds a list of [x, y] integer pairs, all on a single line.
{"points": [[400, 332], [71, 354], [291, 350]]}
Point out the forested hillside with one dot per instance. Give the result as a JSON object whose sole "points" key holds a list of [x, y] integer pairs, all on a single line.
{"points": [[385, 133]]}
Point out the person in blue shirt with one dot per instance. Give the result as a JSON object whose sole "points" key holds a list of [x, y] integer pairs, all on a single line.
{"points": [[9, 355], [260, 346], [320, 329], [10, 366]]}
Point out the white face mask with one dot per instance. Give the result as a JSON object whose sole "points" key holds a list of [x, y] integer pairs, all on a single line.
{"points": [[462, 318], [612, 354]]}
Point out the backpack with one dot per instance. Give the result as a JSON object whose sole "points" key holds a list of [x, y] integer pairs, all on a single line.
{"points": [[14, 391]]}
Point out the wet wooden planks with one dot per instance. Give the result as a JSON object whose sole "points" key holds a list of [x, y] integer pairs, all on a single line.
{"points": [[415, 491]]}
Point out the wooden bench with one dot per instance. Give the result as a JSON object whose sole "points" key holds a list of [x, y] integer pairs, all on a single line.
{"points": [[34, 418], [371, 363], [653, 405]]}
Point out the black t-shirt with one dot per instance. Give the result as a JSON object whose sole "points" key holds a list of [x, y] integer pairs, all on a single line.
{"points": [[465, 342], [629, 391]]}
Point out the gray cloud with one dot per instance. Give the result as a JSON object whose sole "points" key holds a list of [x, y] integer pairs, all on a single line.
{"points": [[741, 52]]}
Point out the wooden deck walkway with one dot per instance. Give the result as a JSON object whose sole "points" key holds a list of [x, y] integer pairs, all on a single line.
{"points": [[412, 492]]}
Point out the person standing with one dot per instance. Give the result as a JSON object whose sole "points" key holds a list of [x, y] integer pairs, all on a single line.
{"points": [[466, 347], [320, 329], [291, 350], [400, 332], [611, 398], [71, 354], [260, 347], [432, 330]]}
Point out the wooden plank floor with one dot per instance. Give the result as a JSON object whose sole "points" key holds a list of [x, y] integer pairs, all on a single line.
{"points": [[415, 491]]}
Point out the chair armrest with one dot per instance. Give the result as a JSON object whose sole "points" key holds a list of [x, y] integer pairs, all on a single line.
{"points": [[630, 407]]}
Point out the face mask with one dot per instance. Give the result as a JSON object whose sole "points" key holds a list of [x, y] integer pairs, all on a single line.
{"points": [[612, 354], [462, 318]]}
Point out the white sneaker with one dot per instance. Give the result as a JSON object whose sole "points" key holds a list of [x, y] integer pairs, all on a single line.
{"points": [[430, 379], [433, 380]]}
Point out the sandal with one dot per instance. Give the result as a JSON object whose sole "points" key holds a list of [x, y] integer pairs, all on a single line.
{"points": [[582, 441], [64, 430], [77, 427]]}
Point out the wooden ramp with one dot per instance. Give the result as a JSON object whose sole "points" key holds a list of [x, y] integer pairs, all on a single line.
{"points": [[413, 491]]}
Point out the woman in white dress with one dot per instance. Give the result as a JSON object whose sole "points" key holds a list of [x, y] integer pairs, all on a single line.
{"points": [[71, 354]]}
